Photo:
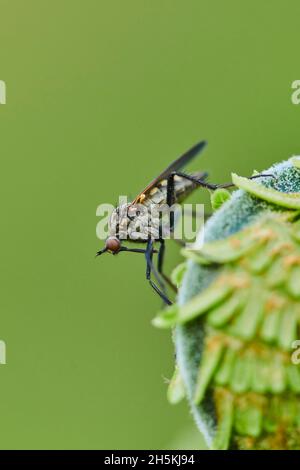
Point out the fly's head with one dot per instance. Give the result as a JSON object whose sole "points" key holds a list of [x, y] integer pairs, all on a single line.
{"points": [[116, 225], [112, 245], [127, 222]]}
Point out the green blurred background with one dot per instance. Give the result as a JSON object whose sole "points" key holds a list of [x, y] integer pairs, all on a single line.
{"points": [[100, 97]]}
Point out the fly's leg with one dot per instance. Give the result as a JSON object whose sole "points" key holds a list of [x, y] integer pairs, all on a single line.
{"points": [[171, 199], [150, 266], [195, 180], [260, 175], [212, 186], [149, 269], [160, 261]]}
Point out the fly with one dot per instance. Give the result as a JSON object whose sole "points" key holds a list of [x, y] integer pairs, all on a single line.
{"points": [[139, 222]]}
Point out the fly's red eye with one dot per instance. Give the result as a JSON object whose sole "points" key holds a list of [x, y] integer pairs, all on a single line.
{"points": [[113, 244]]}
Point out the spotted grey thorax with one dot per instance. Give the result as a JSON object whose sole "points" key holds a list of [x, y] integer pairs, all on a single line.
{"points": [[149, 217]]}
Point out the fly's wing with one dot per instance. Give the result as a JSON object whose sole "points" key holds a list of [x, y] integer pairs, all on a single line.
{"points": [[176, 165]]}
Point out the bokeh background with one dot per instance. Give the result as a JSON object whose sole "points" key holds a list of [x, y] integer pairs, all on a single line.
{"points": [[101, 96]]}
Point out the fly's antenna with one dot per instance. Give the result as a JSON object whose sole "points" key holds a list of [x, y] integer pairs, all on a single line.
{"points": [[101, 252]]}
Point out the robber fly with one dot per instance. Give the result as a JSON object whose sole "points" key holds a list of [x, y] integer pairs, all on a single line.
{"points": [[135, 221]]}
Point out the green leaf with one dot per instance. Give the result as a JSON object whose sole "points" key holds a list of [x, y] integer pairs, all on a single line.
{"points": [[293, 282], [288, 200], [276, 275], [293, 374], [277, 375], [218, 198], [261, 259], [248, 421], [260, 377], [178, 273], [298, 416], [209, 363], [288, 329], [224, 372], [296, 231], [203, 302], [270, 328], [167, 318], [247, 322], [194, 255], [220, 315], [271, 418], [225, 421], [197, 306], [225, 251], [242, 374], [176, 391]]}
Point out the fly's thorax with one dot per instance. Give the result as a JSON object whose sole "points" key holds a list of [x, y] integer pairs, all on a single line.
{"points": [[136, 222]]}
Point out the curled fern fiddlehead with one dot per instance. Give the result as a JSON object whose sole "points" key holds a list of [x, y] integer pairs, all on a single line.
{"points": [[238, 315]]}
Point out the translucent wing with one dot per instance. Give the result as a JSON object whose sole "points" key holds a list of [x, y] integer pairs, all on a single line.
{"points": [[174, 166]]}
